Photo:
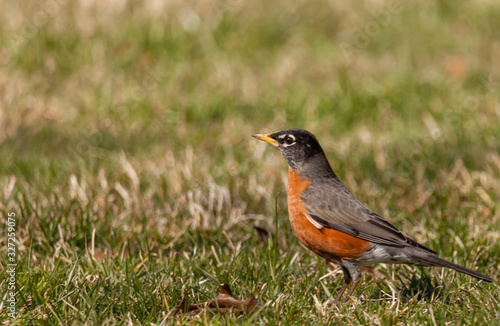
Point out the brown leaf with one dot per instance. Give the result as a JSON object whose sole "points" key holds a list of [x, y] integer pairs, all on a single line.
{"points": [[183, 307], [263, 233], [223, 303], [456, 67]]}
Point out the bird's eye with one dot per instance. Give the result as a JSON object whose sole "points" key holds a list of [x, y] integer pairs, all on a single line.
{"points": [[288, 140]]}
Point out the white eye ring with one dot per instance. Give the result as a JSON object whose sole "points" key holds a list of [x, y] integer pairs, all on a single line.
{"points": [[288, 140]]}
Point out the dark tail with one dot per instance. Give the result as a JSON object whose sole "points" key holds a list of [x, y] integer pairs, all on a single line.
{"points": [[428, 259]]}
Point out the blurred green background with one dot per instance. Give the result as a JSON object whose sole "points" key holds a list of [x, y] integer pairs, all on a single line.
{"points": [[125, 138]]}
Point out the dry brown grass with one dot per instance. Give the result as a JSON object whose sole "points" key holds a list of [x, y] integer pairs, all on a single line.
{"points": [[127, 157]]}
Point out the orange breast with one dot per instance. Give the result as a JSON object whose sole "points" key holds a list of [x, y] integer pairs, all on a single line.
{"points": [[326, 242]]}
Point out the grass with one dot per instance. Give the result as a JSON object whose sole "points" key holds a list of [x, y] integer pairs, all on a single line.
{"points": [[127, 157]]}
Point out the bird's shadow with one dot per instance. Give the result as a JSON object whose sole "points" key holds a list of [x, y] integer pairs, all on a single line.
{"points": [[409, 289]]}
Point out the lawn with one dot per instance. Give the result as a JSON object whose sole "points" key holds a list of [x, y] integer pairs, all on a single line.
{"points": [[132, 181]]}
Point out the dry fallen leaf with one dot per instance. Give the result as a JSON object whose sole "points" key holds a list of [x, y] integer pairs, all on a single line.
{"points": [[223, 303], [262, 233]]}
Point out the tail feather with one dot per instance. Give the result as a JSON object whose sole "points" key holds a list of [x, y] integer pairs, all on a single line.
{"points": [[428, 259]]}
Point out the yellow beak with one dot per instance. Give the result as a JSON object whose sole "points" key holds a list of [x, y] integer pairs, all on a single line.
{"points": [[267, 138]]}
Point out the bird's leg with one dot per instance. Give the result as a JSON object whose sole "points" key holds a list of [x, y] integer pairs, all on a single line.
{"points": [[351, 290], [347, 281], [342, 290], [355, 274]]}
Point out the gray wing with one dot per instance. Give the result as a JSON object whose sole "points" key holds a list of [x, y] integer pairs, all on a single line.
{"points": [[332, 205]]}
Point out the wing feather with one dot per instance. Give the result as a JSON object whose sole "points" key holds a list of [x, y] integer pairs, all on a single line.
{"points": [[342, 211]]}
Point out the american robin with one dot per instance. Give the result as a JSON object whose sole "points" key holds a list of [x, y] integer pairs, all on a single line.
{"points": [[330, 221]]}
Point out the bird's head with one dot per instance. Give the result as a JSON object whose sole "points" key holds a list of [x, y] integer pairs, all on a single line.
{"points": [[299, 147]]}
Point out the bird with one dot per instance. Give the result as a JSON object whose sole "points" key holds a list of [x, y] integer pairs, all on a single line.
{"points": [[331, 222]]}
